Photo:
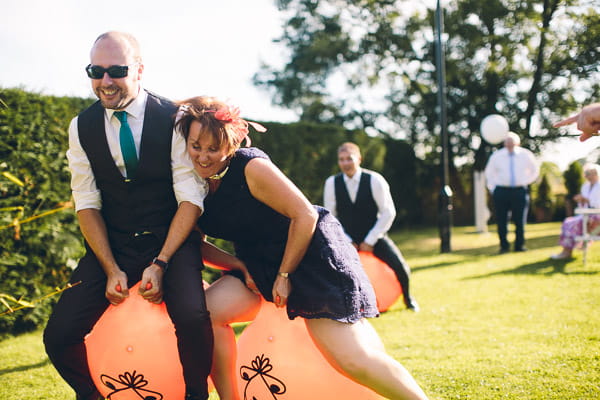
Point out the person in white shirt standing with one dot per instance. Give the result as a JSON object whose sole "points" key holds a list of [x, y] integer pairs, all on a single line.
{"points": [[509, 172], [362, 202]]}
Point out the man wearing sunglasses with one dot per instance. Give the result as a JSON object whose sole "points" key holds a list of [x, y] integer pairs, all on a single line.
{"points": [[137, 200]]}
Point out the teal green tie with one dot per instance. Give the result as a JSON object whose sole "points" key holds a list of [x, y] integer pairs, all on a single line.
{"points": [[127, 144], [512, 169]]}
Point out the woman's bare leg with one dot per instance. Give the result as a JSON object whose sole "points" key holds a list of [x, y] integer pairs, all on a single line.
{"points": [[357, 351], [228, 301]]}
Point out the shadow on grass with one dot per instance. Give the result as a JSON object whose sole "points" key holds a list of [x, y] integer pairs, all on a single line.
{"points": [[435, 265], [544, 267], [539, 242], [22, 368], [474, 253]]}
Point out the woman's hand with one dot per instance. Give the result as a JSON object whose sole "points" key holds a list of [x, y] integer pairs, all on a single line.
{"points": [[281, 291], [249, 281], [579, 199]]}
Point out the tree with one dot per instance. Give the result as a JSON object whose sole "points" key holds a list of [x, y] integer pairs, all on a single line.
{"points": [[573, 177], [369, 64], [542, 204]]}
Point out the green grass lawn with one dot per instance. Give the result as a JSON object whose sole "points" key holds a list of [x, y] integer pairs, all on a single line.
{"points": [[511, 326]]}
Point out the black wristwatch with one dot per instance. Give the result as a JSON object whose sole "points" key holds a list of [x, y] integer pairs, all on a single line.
{"points": [[163, 264]]}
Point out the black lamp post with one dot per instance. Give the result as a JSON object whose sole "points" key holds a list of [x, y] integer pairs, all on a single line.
{"points": [[445, 199]]}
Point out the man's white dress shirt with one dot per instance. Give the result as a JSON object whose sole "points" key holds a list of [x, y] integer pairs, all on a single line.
{"points": [[381, 194], [186, 184], [498, 172]]}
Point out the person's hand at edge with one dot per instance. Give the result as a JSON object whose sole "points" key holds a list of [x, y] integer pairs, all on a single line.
{"points": [[588, 121]]}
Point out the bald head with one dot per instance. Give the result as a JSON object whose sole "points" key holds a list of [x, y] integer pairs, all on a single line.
{"points": [[125, 42], [349, 147], [117, 49], [512, 140]]}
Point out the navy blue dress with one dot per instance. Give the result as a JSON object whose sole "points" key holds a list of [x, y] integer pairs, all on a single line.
{"points": [[329, 281]]}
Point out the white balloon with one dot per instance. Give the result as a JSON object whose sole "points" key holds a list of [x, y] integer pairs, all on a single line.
{"points": [[494, 128]]}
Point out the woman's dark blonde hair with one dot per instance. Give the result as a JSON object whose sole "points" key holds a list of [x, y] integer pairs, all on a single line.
{"points": [[202, 109]]}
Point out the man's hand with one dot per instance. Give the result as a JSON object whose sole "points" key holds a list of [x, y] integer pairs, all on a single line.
{"points": [[116, 287], [151, 287]]}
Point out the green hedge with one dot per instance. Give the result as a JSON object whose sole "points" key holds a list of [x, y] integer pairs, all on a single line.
{"points": [[307, 152], [34, 256], [34, 141]]}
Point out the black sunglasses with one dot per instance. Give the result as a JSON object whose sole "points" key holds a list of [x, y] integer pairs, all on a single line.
{"points": [[114, 71]]}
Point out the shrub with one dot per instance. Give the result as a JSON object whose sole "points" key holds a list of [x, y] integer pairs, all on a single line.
{"points": [[573, 177], [543, 206], [35, 253]]}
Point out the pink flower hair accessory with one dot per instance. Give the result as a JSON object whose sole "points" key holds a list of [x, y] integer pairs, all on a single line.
{"points": [[231, 115]]}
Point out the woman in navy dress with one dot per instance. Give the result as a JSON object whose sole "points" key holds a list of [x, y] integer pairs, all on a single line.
{"points": [[294, 254]]}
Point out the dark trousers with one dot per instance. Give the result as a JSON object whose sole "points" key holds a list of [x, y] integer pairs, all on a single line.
{"points": [[516, 201], [387, 251], [80, 307]]}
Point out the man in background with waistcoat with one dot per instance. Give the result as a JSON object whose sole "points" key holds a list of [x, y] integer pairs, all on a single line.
{"points": [[362, 201], [508, 173], [137, 200]]}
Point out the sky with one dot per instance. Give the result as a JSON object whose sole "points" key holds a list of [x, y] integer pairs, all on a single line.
{"points": [[189, 47]]}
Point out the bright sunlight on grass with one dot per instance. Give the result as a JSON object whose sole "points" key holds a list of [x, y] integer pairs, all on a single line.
{"points": [[511, 326]]}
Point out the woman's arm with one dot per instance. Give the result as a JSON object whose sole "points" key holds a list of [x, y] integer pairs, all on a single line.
{"points": [[270, 186], [215, 257]]}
